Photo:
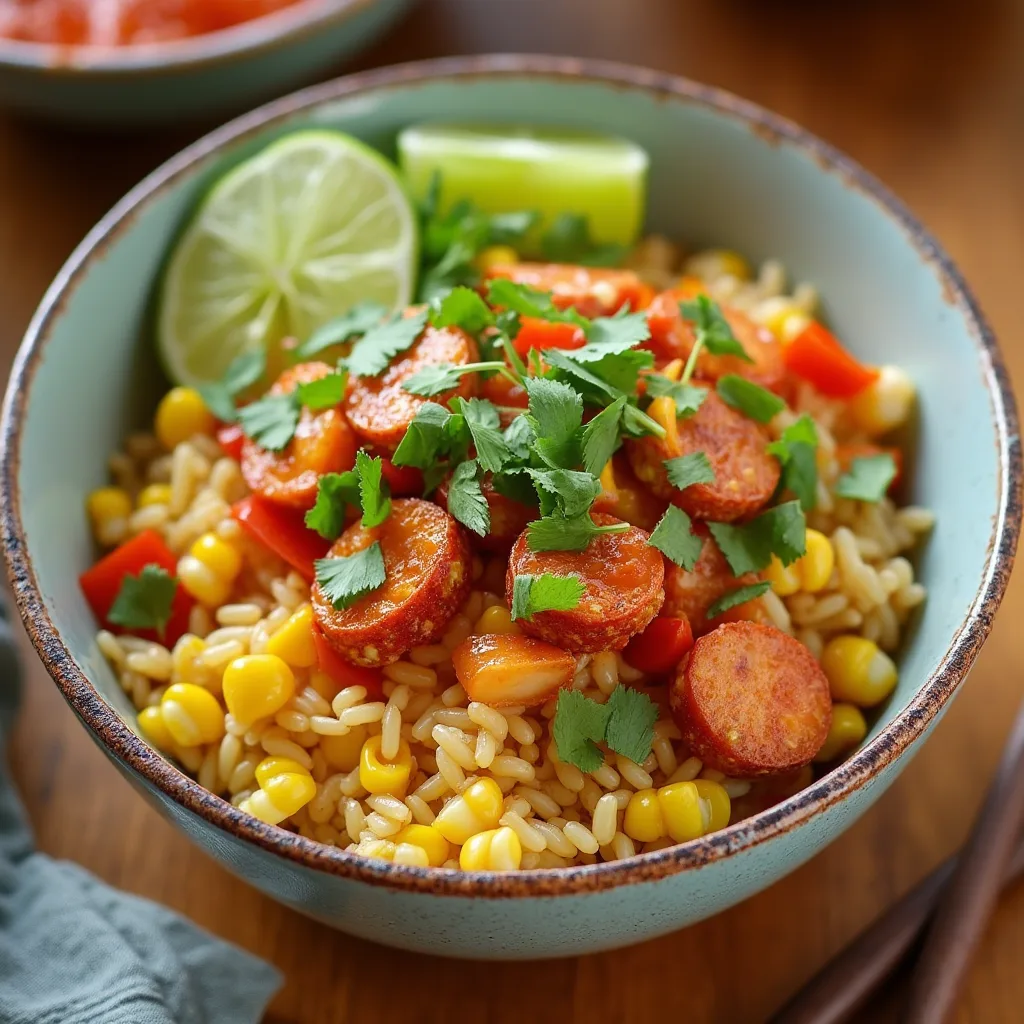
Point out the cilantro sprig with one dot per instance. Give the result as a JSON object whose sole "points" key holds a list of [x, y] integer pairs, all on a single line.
{"points": [[545, 593], [868, 478], [345, 579], [568, 240], [271, 421], [244, 371], [675, 539], [748, 547], [796, 451], [373, 352], [362, 317], [751, 399], [734, 598], [335, 493], [145, 601], [625, 723]]}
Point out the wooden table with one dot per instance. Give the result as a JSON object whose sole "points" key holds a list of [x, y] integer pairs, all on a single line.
{"points": [[928, 94]]}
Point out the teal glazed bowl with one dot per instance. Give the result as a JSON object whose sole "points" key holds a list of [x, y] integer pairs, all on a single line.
{"points": [[723, 172], [203, 77]]}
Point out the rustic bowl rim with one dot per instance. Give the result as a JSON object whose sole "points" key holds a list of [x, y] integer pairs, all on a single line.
{"points": [[133, 753]]}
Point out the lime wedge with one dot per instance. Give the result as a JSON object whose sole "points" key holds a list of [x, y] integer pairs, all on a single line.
{"points": [[300, 233], [550, 170]]}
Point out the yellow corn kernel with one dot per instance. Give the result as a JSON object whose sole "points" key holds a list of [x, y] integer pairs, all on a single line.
{"points": [[608, 484], [681, 811], [783, 317], [202, 582], [496, 256], [220, 557], [154, 728], [817, 563], [644, 820], [476, 810], [497, 620], [257, 686], [673, 370], [342, 752], [286, 785], [428, 839], [885, 404], [663, 411], [293, 642], [108, 503], [716, 802], [847, 731], [733, 263], [858, 671], [379, 776], [271, 766], [155, 494], [192, 715], [181, 414], [411, 856], [495, 850], [785, 579]]}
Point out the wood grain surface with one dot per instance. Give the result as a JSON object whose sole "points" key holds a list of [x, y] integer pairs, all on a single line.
{"points": [[929, 96]]}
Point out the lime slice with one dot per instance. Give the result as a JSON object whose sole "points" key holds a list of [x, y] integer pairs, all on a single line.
{"points": [[300, 233], [550, 170]]}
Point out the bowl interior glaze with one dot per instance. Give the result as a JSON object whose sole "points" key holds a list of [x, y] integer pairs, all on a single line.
{"points": [[722, 173]]}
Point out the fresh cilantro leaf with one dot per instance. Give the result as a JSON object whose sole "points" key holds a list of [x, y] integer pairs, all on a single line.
{"points": [[796, 450], [145, 601], [688, 398], [434, 379], [568, 240], [362, 317], [425, 441], [631, 718], [347, 578], [618, 370], [712, 329], [751, 399], [466, 501], [557, 532], [868, 478], [568, 491], [461, 307], [527, 301], [545, 593], [374, 493], [613, 334], [687, 470], [271, 421], [371, 354], [601, 437], [749, 547], [323, 393], [334, 492], [506, 228], [485, 427], [675, 539], [243, 372], [584, 381], [555, 413], [519, 435], [741, 595], [579, 725], [515, 484]]}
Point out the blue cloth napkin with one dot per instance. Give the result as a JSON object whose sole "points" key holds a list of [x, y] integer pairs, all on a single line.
{"points": [[75, 951]]}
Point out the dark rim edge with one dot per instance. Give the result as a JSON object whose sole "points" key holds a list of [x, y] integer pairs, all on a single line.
{"points": [[133, 752]]}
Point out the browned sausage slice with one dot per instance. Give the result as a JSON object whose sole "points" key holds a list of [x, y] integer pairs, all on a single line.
{"points": [[508, 517], [746, 475], [323, 443], [592, 292], [751, 700], [427, 561], [380, 409], [623, 577]]}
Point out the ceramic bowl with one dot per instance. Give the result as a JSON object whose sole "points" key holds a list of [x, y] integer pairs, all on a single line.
{"points": [[723, 172], [205, 77]]}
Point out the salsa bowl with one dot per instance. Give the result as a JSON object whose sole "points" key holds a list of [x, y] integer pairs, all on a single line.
{"points": [[723, 171]]}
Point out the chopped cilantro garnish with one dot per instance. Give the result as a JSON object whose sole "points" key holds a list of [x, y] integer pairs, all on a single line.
{"points": [[555, 413], [741, 595], [613, 334], [271, 421], [675, 539], [625, 723], [362, 317], [796, 450], [631, 718], [145, 601], [485, 428], [751, 399], [601, 436], [568, 240], [374, 493], [564, 490], [712, 330], [545, 593], [466, 501], [461, 307], [868, 478], [780, 531], [425, 440], [322, 393], [432, 380], [688, 398], [242, 373], [347, 578], [372, 353], [527, 301], [687, 470], [335, 491], [558, 532]]}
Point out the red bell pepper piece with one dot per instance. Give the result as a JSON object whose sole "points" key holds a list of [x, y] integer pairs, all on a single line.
{"points": [[816, 355], [661, 646], [230, 437], [283, 531], [343, 672], [404, 481], [542, 334], [102, 583]]}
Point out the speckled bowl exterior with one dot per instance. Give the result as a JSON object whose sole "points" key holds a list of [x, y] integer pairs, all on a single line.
{"points": [[203, 78], [723, 172]]}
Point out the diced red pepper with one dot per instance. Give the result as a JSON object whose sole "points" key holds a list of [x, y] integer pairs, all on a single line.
{"points": [[817, 356], [283, 531], [541, 334], [404, 481], [661, 646], [102, 583], [230, 437], [501, 391], [343, 672]]}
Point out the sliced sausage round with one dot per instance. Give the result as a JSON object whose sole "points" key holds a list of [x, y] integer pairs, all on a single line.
{"points": [[323, 443], [629, 500], [508, 517], [751, 700], [622, 576], [746, 475], [380, 409], [591, 291], [427, 562]]}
